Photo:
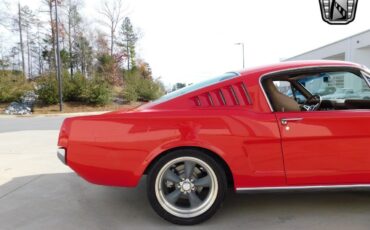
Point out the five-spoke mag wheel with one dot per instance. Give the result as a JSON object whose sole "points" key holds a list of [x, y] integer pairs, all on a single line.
{"points": [[186, 186]]}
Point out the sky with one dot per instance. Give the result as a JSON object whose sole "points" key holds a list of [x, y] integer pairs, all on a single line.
{"points": [[189, 41]]}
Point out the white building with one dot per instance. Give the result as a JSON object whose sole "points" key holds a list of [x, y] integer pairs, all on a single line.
{"points": [[354, 49]]}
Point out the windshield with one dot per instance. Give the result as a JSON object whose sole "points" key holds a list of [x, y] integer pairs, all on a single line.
{"points": [[195, 87]]}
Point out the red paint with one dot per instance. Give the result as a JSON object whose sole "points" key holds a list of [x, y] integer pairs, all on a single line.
{"points": [[325, 148]]}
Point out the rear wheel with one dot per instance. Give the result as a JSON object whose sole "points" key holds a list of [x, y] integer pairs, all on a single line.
{"points": [[186, 186]]}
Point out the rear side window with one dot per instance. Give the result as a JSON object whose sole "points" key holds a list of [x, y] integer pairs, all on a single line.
{"points": [[285, 87]]}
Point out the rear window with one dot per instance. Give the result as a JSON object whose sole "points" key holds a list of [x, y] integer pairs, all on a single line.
{"points": [[196, 86]]}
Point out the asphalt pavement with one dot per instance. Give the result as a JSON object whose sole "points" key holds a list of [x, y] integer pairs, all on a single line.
{"points": [[39, 192], [30, 123]]}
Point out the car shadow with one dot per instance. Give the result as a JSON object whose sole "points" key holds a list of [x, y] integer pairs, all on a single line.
{"points": [[65, 201]]}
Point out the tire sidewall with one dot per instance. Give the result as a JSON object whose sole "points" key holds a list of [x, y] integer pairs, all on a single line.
{"points": [[221, 180]]}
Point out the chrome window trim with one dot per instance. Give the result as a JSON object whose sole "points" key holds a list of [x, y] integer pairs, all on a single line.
{"points": [[234, 72], [366, 77], [299, 68], [295, 188]]}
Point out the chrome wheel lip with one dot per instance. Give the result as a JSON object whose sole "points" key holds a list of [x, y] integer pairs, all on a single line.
{"points": [[186, 212]]}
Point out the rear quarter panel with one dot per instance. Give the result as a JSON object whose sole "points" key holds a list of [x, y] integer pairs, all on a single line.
{"points": [[115, 149]]}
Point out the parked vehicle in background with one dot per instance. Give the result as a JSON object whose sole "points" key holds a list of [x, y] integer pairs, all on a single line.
{"points": [[344, 94], [365, 95], [233, 131]]}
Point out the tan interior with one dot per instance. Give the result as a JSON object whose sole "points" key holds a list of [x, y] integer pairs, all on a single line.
{"points": [[280, 101]]}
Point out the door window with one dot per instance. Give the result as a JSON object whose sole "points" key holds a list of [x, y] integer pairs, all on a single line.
{"points": [[286, 88], [337, 85]]}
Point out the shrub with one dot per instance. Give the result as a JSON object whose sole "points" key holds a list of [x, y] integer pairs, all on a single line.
{"points": [[73, 87], [76, 88], [47, 90], [12, 87], [137, 87], [97, 92], [149, 90], [130, 90], [129, 93]]}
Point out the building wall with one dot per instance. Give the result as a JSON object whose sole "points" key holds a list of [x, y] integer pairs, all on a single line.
{"points": [[354, 49]]}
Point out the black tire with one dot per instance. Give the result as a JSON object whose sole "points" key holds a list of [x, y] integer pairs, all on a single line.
{"points": [[214, 165]]}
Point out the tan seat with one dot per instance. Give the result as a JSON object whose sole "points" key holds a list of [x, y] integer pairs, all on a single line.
{"points": [[280, 101]]}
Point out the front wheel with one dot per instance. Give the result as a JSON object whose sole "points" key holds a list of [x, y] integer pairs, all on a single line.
{"points": [[186, 187]]}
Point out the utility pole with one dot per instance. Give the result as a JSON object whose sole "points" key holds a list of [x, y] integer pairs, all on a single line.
{"points": [[242, 44], [58, 62]]}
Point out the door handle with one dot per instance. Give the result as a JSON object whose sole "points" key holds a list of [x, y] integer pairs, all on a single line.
{"points": [[285, 121]]}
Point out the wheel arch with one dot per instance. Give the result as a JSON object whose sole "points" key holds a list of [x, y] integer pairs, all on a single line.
{"points": [[217, 157]]}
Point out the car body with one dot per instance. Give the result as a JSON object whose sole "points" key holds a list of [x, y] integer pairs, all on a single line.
{"points": [[233, 122]]}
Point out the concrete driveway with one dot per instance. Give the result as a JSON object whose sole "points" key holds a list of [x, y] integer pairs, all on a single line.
{"points": [[38, 192]]}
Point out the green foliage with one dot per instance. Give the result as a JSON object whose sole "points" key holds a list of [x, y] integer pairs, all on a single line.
{"points": [[76, 88], [12, 87], [130, 91], [97, 92], [128, 42], [178, 85], [108, 69], [105, 62], [137, 87], [73, 87], [64, 56], [47, 90]]}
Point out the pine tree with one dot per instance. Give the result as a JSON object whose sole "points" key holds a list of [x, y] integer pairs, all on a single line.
{"points": [[128, 42]]}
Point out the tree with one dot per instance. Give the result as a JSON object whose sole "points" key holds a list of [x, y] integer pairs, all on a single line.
{"points": [[101, 44], [144, 69], [113, 14], [28, 21], [19, 22], [4, 64], [14, 52], [38, 49], [84, 53], [24, 24], [178, 85], [128, 41], [4, 14], [49, 53], [73, 21]]}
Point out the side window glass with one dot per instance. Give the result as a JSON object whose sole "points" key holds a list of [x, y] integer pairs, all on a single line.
{"points": [[286, 88], [337, 85]]}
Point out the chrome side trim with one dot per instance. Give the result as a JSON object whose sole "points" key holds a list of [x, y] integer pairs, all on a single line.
{"points": [[299, 68], [297, 188]]}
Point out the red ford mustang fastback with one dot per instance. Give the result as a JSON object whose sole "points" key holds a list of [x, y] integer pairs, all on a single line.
{"points": [[290, 126]]}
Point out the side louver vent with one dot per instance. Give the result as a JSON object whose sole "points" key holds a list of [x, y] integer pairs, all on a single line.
{"points": [[230, 95]]}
